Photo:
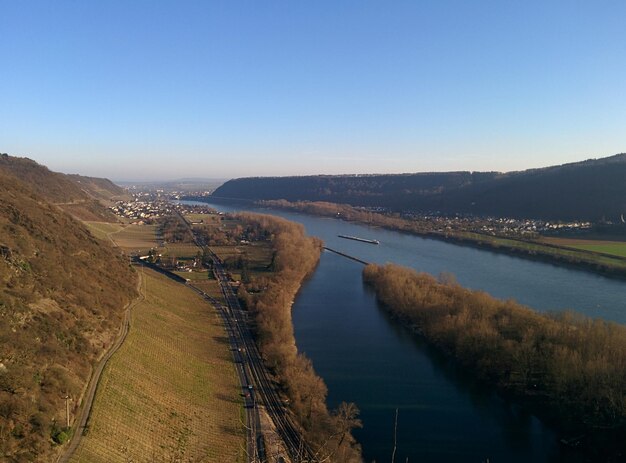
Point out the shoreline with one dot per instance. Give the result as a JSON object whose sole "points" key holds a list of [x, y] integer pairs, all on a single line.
{"points": [[535, 255], [585, 430]]}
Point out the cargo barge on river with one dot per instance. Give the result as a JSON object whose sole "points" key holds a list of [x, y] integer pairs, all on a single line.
{"points": [[356, 238]]}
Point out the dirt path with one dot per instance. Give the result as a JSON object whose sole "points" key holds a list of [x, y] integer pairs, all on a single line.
{"points": [[82, 417]]}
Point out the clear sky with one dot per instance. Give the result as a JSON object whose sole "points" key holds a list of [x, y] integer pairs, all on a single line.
{"points": [[161, 90]]}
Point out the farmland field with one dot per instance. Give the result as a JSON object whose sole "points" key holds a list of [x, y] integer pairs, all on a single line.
{"points": [[137, 237], [194, 276], [258, 255], [615, 248], [170, 393], [182, 250], [568, 249]]}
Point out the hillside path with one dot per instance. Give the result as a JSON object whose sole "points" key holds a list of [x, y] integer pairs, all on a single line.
{"points": [[82, 416]]}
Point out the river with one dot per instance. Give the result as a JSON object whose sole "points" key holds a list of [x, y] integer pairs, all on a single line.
{"points": [[367, 358]]}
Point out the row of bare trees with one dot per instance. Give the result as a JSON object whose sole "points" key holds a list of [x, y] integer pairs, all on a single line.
{"points": [[571, 367], [270, 298], [174, 230]]}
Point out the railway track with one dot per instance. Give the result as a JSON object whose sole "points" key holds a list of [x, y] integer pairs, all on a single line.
{"points": [[254, 371], [297, 447]]}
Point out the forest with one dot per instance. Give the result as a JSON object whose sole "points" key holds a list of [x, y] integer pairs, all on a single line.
{"points": [[269, 299], [591, 190], [568, 368]]}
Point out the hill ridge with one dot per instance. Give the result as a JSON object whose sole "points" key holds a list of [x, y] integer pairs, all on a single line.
{"points": [[593, 189]]}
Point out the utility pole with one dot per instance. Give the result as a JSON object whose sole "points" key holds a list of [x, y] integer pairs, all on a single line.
{"points": [[67, 411]]}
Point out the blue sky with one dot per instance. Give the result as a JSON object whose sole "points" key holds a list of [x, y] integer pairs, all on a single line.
{"points": [[160, 90]]}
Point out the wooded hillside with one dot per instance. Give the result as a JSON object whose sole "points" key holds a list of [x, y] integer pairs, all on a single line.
{"points": [[62, 294], [590, 190]]}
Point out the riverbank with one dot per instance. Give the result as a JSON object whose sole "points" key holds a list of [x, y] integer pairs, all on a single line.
{"points": [[605, 264], [269, 299], [566, 368], [366, 356]]}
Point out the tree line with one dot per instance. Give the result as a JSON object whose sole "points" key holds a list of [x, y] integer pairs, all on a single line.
{"points": [[174, 230], [570, 368], [269, 298]]}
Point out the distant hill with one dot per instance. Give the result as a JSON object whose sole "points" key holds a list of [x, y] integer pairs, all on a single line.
{"points": [[181, 185], [62, 294], [99, 188], [78, 195], [592, 190]]}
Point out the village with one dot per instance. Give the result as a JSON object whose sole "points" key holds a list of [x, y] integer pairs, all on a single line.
{"points": [[145, 208], [499, 226]]}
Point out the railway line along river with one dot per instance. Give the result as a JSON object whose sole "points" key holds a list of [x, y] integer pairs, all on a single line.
{"points": [[367, 358]]}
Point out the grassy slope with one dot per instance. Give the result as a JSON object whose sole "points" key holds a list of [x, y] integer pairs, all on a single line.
{"points": [[170, 393]]}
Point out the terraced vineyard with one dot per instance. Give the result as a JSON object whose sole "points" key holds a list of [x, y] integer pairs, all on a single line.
{"points": [[137, 238], [170, 393]]}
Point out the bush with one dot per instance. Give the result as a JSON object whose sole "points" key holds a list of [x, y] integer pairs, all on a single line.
{"points": [[60, 435]]}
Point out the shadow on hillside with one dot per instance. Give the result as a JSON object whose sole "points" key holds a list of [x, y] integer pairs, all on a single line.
{"points": [[222, 339], [231, 430], [226, 398]]}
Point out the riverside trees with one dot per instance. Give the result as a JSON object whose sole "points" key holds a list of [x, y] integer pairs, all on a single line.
{"points": [[269, 299], [573, 367]]}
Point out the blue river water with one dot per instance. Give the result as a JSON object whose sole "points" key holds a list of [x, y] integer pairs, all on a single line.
{"points": [[367, 358]]}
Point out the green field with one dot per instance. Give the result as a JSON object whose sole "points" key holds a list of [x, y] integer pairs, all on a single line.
{"points": [[170, 394], [194, 276], [563, 249], [614, 248], [617, 249]]}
